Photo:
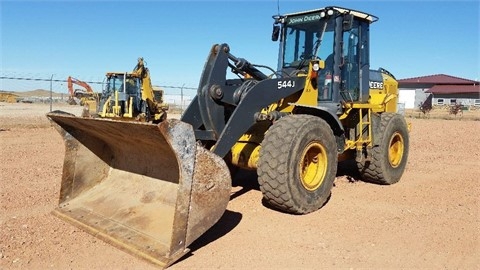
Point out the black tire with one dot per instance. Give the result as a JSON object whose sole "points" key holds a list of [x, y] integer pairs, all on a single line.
{"points": [[285, 184], [389, 155]]}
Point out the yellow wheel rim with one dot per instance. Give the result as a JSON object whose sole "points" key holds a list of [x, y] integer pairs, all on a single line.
{"points": [[313, 166], [395, 150]]}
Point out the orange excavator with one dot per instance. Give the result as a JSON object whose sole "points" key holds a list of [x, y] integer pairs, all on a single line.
{"points": [[71, 99], [86, 96]]}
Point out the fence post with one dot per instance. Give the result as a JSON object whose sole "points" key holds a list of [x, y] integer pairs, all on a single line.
{"points": [[51, 97], [181, 99]]}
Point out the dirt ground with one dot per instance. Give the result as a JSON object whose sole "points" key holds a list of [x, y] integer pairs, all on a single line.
{"points": [[430, 219]]}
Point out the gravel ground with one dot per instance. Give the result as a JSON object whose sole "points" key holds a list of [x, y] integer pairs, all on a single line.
{"points": [[430, 219]]}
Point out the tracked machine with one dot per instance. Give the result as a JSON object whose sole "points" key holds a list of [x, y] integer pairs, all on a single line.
{"points": [[152, 189]]}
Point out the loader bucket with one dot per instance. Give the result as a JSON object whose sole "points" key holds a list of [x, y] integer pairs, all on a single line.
{"points": [[148, 189]]}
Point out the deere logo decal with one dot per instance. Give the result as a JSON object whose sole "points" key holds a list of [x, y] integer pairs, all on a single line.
{"points": [[376, 85], [303, 18]]}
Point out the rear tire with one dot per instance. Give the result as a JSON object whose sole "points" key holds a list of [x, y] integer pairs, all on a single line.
{"points": [[297, 164], [390, 153]]}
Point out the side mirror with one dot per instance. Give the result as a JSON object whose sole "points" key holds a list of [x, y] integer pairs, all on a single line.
{"points": [[275, 32]]}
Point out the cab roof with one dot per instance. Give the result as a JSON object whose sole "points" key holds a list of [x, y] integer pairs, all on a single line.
{"points": [[369, 17]]}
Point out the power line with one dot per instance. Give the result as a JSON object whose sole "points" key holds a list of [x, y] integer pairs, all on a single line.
{"points": [[91, 82], [176, 87], [40, 79]]}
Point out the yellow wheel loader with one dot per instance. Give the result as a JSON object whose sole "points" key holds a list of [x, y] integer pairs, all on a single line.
{"points": [[130, 96], [152, 189]]}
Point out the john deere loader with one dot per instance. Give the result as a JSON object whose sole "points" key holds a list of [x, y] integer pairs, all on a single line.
{"points": [[152, 189]]}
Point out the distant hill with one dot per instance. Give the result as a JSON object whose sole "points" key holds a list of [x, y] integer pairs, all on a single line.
{"points": [[36, 93]]}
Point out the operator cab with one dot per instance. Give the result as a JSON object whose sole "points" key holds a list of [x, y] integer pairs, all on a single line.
{"points": [[339, 37], [125, 87]]}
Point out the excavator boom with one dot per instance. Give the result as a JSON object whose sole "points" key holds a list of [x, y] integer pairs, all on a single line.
{"points": [[87, 97], [71, 81]]}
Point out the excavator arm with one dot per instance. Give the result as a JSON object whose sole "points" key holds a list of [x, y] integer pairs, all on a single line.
{"points": [[71, 98], [87, 97], [71, 81]]}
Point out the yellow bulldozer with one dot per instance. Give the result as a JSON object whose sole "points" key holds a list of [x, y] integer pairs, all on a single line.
{"points": [[152, 189], [130, 96]]}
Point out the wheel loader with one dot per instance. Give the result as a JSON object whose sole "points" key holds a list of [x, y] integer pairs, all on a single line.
{"points": [[152, 189]]}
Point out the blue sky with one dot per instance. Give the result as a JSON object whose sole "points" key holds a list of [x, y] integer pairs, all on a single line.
{"points": [[85, 39]]}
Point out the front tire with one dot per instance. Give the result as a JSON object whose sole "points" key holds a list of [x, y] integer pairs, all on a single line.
{"points": [[298, 164]]}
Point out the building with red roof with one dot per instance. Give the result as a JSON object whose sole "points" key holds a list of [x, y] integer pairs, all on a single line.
{"points": [[446, 90]]}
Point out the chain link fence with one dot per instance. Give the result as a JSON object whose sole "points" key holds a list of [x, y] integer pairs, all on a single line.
{"points": [[45, 88]]}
